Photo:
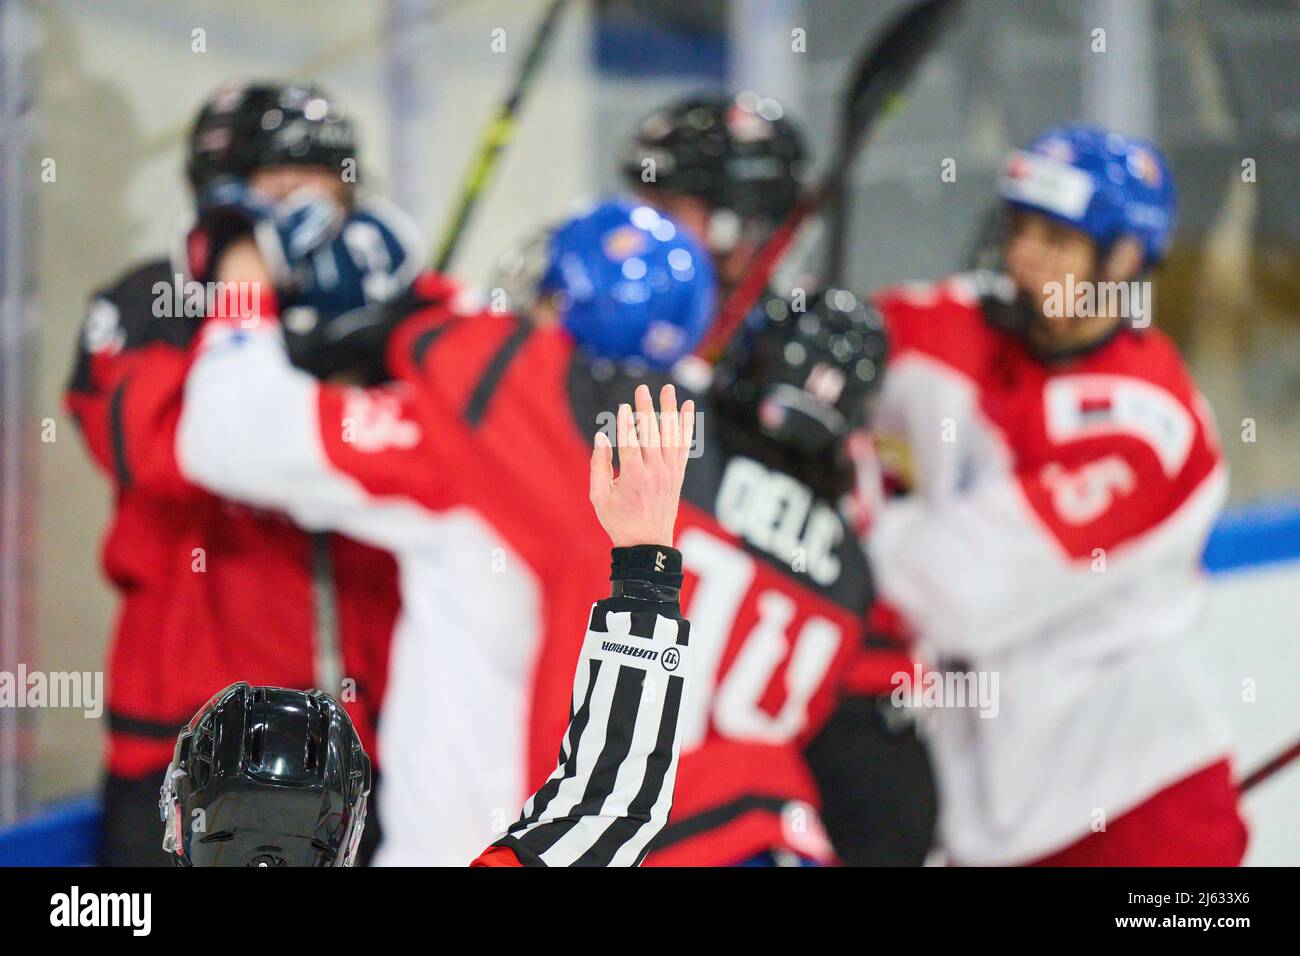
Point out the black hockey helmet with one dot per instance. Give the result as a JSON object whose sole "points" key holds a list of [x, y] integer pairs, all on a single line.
{"points": [[243, 127], [264, 776], [806, 374], [740, 154]]}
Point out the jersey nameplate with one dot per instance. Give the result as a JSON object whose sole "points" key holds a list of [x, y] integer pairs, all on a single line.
{"points": [[777, 514]]}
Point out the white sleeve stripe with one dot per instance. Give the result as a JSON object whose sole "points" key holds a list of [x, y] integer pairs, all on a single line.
{"points": [[540, 802], [629, 839], [588, 791], [583, 679], [586, 756], [620, 795], [611, 793]]}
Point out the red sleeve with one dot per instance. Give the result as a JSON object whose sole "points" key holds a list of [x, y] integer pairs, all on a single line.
{"points": [[1116, 457], [365, 462], [128, 377], [1131, 493], [387, 439], [453, 350], [940, 320], [872, 667], [497, 856], [433, 303], [128, 407], [89, 401]]}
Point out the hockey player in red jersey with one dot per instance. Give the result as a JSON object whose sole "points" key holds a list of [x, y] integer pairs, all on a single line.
{"points": [[213, 591], [731, 169], [232, 794], [431, 468], [1065, 475], [728, 168]]}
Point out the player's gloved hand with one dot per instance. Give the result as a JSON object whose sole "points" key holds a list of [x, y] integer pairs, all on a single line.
{"points": [[346, 298], [355, 341], [639, 507], [285, 232]]}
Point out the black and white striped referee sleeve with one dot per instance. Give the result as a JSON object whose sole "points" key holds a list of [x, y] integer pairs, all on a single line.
{"points": [[612, 790]]}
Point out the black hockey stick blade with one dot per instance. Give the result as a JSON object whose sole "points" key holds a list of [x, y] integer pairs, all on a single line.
{"points": [[886, 65], [496, 137], [875, 94]]}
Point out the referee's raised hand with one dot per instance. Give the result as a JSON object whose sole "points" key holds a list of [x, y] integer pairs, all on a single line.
{"points": [[639, 506]]}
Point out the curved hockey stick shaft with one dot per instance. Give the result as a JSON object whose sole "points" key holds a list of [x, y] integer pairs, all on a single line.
{"points": [[1270, 767], [496, 137]]}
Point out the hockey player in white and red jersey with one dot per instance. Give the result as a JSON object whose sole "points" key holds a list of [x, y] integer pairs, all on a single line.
{"points": [[1065, 475], [179, 637]]}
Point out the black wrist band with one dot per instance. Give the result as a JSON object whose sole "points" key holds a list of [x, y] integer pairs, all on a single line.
{"points": [[646, 572], [644, 591]]}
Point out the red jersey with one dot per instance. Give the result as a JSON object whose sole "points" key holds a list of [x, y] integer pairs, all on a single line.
{"points": [[472, 495], [211, 591]]}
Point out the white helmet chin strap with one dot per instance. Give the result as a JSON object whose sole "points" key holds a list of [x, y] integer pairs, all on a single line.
{"points": [[169, 807]]}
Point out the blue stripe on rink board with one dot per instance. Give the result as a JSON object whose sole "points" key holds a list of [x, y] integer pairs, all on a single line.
{"points": [[1255, 534], [65, 834], [1247, 536], [631, 47]]}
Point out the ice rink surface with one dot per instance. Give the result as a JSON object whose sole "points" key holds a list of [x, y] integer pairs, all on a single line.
{"points": [[1251, 630]]}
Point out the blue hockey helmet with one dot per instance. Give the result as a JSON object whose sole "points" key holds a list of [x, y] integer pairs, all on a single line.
{"points": [[1099, 182], [630, 283]]}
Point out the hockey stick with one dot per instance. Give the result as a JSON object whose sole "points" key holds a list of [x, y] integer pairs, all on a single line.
{"points": [[1270, 767], [496, 137], [884, 68]]}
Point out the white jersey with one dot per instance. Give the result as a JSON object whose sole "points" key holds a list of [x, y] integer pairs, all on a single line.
{"points": [[1052, 546]]}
